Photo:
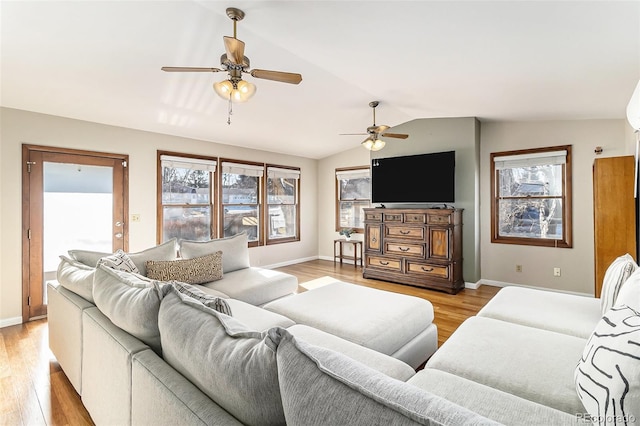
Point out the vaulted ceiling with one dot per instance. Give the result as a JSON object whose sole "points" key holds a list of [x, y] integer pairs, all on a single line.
{"points": [[503, 60]]}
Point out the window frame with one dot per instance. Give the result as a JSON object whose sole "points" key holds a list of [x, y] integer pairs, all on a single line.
{"points": [[160, 205], [338, 227], [267, 222], [567, 216]]}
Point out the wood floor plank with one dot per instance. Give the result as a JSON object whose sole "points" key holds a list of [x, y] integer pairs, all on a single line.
{"points": [[34, 390]]}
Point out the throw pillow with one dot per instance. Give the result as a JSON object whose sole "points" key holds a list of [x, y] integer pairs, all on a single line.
{"points": [[131, 302], [615, 276], [630, 292], [76, 277], [607, 375], [321, 386], [231, 364], [198, 270], [119, 261], [235, 251], [213, 302], [165, 251]]}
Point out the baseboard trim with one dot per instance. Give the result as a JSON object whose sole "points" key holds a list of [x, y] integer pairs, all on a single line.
{"points": [[505, 284], [473, 286], [289, 262], [8, 322]]}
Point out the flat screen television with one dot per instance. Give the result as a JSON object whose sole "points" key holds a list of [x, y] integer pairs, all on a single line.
{"points": [[423, 178]]}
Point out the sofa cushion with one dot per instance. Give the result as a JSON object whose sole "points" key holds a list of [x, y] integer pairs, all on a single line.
{"points": [[323, 387], [607, 375], [630, 292], [233, 365], [213, 302], [235, 251], [614, 277], [256, 286], [165, 251], [119, 261], [131, 302], [256, 318], [198, 270], [531, 363], [76, 277]]}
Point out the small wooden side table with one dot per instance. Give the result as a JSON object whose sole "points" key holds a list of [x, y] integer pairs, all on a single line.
{"points": [[338, 251]]}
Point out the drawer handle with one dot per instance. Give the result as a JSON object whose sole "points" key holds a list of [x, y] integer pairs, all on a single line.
{"points": [[405, 232], [404, 248], [374, 240], [425, 269], [383, 263]]}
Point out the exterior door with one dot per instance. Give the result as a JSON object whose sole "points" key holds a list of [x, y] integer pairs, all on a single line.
{"points": [[71, 200]]}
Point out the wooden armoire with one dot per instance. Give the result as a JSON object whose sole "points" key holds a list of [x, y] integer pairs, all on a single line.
{"points": [[614, 212]]}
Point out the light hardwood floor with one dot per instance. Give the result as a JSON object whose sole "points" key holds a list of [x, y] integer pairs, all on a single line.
{"points": [[35, 391]]}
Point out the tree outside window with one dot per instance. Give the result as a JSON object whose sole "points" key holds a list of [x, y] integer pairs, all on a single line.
{"points": [[531, 197], [282, 204], [353, 193]]}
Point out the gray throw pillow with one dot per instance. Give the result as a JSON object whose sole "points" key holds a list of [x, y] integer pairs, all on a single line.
{"points": [[165, 251], [235, 251], [213, 302], [198, 270], [76, 277], [323, 387], [131, 302], [607, 375], [233, 365]]}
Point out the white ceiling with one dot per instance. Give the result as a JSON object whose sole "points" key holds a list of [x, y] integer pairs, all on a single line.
{"points": [[503, 60]]}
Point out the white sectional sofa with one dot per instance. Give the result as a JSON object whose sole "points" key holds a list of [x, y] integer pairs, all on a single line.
{"points": [[514, 363]]}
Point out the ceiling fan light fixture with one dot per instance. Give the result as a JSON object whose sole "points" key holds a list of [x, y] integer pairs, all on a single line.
{"points": [[373, 144], [238, 91]]}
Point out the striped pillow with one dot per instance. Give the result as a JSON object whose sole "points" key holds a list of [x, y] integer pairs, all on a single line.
{"points": [[198, 270], [615, 276], [213, 302]]}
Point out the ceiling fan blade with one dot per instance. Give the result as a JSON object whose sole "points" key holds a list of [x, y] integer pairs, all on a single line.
{"points": [[284, 77], [235, 49], [190, 69], [352, 134], [394, 135]]}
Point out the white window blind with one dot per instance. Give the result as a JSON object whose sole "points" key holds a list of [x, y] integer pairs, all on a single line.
{"points": [[530, 160], [353, 174], [242, 169], [280, 173], [188, 163]]}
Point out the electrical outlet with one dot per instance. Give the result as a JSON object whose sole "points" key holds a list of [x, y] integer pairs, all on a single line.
{"points": [[556, 272], [518, 268], [135, 217]]}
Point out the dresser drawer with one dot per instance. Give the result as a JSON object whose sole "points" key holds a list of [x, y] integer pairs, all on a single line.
{"points": [[373, 217], [438, 219], [428, 269], [393, 217], [404, 232], [415, 218], [384, 263], [404, 249]]}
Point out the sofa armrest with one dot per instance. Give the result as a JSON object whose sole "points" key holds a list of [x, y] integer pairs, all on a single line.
{"points": [[162, 396]]}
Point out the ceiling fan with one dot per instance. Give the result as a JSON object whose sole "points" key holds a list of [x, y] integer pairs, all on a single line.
{"points": [[233, 61], [373, 142]]}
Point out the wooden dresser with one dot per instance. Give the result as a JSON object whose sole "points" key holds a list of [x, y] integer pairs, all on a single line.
{"points": [[420, 247]]}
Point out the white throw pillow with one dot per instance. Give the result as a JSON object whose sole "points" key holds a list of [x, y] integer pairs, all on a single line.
{"points": [[630, 292], [235, 251], [120, 261], [607, 375], [615, 276]]}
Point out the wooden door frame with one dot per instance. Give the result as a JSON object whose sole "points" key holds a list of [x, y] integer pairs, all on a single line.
{"points": [[26, 202]]}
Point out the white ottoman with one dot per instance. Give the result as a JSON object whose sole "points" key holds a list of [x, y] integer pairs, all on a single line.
{"points": [[394, 324]]}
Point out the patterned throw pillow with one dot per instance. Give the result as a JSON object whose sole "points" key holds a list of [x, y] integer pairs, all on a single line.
{"points": [[198, 270], [213, 302], [615, 276], [120, 261], [607, 375]]}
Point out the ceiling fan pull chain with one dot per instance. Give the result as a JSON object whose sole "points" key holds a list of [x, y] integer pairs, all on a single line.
{"points": [[230, 111]]}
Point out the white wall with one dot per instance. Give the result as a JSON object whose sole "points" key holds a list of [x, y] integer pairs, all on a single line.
{"points": [[577, 263], [21, 127]]}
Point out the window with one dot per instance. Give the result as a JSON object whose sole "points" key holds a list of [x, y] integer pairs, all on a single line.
{"points": [[531, 197], [240, 189], [186, 209], [353, 193], [282, 204]]}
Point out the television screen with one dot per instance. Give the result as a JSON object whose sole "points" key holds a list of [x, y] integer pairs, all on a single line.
{"points": [[424, 178]]}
